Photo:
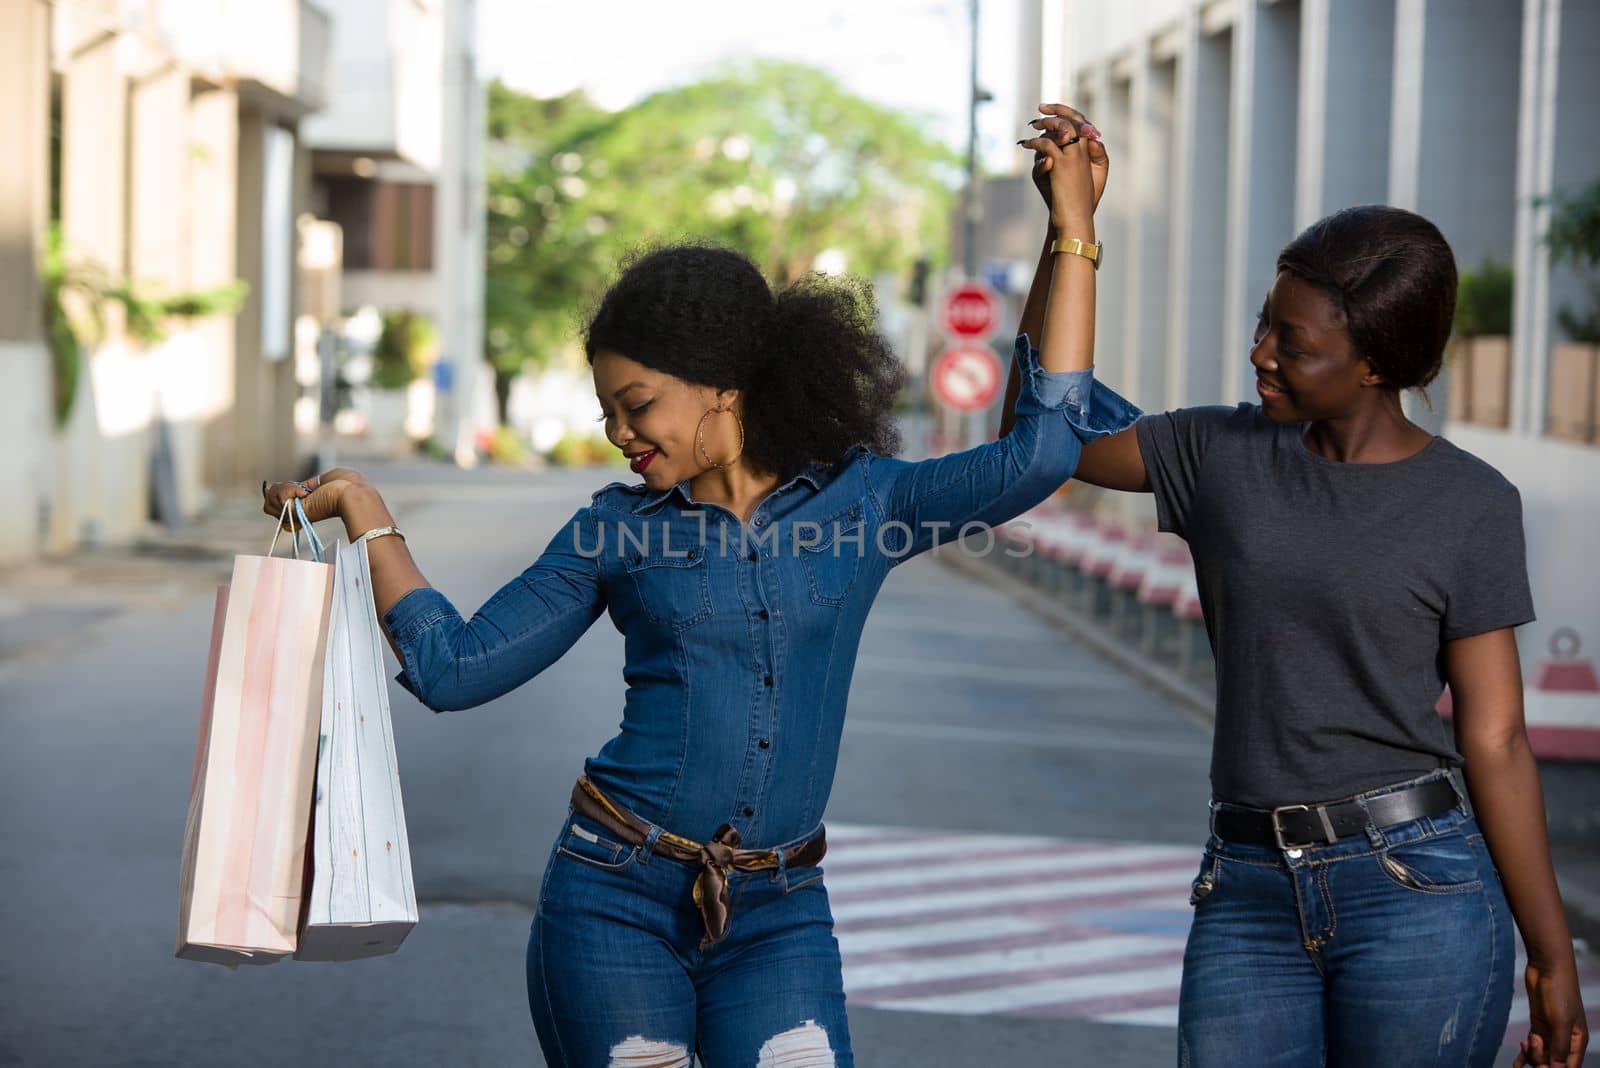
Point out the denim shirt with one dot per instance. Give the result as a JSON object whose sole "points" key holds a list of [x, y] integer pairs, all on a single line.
{"points": [[740, 640]]}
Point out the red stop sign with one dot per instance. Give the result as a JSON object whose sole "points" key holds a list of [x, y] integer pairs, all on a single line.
{"points": [[966, 377], [971, 311]]}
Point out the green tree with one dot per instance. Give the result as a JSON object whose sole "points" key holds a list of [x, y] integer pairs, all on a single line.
{"points": [[773, 158]]}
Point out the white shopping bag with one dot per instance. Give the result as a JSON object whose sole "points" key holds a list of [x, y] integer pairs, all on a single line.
{"points": [[360, 901]]}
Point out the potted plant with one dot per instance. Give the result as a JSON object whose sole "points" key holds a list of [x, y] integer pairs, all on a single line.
{"points": [[1480, 373], [405, 350], [76, 295]]}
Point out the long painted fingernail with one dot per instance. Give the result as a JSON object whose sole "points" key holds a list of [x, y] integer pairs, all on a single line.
{"points": [[1093, 130]]}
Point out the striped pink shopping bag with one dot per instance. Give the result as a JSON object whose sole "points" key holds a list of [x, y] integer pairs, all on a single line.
{"points": [[250, 802]]}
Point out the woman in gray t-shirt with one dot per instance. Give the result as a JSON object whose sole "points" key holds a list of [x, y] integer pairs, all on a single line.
{"points": [[1350, 564]]}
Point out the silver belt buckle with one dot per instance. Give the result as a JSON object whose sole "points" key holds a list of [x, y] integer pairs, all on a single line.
{"points": [[1277, 827]]}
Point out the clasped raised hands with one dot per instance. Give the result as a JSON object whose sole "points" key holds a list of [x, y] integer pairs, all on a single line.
{"points": [[1070, 164]]}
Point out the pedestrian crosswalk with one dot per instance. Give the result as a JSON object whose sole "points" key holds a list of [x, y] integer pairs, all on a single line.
{"points": [[974, 924], [971, 924]]}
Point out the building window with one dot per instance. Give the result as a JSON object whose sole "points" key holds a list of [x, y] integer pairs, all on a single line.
{"points": [[388, 226]]}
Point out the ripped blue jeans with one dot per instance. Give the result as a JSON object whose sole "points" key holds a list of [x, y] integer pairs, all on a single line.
{"points": [[1395, 947], [617, 975]]}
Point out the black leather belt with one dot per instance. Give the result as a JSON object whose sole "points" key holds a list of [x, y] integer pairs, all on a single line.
{"points": [[1297, 826]]}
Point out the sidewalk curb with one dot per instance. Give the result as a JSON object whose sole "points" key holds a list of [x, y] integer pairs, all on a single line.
{"points": [[1582, 902]]}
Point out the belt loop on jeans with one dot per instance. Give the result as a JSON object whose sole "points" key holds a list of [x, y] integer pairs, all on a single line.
{"points": [[648, 846]]}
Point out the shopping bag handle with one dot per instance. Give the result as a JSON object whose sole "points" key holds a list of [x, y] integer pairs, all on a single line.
{"points": [[298, 522]]}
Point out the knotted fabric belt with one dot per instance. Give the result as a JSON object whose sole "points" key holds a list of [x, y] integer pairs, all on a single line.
{"points": [[715, 858], [1298, 826]]}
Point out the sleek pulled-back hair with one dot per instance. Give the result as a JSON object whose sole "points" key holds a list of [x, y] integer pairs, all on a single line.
{"points": [[816, 376], [1393, 276]]}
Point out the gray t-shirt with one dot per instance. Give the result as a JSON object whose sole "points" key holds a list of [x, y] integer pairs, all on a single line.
{"points": [[1329, 590]]}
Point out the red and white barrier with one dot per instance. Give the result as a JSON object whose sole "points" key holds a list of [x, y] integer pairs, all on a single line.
{"points": [[1136, 559], [1561, 703], [1164, 581], [1100, 554]]}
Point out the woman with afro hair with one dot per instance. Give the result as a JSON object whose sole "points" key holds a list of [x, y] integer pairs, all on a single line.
{"points": [[683, 913]]}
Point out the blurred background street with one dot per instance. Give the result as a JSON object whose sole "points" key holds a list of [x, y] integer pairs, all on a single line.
{"points": [[247, 239]]}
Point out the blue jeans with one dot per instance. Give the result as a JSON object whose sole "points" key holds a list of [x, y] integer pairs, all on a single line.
{"points": [[1393, 947], [617, 975]]}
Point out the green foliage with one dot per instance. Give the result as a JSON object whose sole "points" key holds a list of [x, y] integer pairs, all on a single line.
{"points": [[76, 293], [406, 347], [1574, 239], [583, 450], [506, 447], [773, 158], [1483, 302]]}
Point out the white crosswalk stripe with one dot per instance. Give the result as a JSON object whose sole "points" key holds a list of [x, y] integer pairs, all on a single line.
{"points": [[945, 933], [1055, 890], [971, 924], [1021, 959], [920, 875]]}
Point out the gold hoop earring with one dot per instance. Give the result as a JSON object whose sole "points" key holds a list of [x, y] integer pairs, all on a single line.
{"points": [[700, 437]]}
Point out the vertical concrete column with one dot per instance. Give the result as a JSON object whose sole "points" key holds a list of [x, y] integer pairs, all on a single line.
{"points": [[1195, 348], [459, 232], [1347, 59], [158, 113], [1454, 120], [1112, 225], [1261, 171], [251, 413], [1557, 153], [1452, 130], [1149, 239], [101, 482], [26, 409], [212, 193]]}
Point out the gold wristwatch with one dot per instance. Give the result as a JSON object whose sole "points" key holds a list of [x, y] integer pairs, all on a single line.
{"points": [[1090, 251]]}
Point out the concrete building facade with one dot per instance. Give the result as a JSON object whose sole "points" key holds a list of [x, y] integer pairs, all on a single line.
{"points": [[161, 138], [1235, 123]]}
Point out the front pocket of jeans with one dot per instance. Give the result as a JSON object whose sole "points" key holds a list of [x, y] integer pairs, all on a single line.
{"points": [[831, 563], [1440, 865], [674, 590], [588, 846], [799, 878]]}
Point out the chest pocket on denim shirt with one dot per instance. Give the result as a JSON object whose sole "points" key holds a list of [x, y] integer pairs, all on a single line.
{"points": [[674, 590], [832, 561]]}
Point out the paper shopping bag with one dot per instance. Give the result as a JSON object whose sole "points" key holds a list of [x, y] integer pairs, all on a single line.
{"points": [[244, 850], [361, 900]]}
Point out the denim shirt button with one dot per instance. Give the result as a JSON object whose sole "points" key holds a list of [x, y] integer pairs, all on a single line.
{"points": [[765, 743], [748, 811], [766, 680], [763, 614], [752, 557], [761, 520]]}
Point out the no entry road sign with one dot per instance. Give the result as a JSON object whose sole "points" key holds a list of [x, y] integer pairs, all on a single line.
{"points": [[966, 377]]}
